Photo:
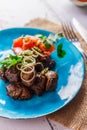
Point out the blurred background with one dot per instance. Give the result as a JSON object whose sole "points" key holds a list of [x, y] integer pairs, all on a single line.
{"points": [[18, 12]]}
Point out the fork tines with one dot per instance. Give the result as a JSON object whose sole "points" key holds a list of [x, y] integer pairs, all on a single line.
{"points": [[69, 32]]}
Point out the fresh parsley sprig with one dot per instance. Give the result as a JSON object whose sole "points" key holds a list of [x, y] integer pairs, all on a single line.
{"points": [[60, 52], [50, 40], [10, 61], [47, 42]]}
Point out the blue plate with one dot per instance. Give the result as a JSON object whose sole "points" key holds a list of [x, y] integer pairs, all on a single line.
{"points": [[70, 70]]}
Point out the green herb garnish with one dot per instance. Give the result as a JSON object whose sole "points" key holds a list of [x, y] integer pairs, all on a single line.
{"points": [[47, 44], [60, 52], [10, 61], [52, 38], [42, 37], [60, 35], [45, 70]]}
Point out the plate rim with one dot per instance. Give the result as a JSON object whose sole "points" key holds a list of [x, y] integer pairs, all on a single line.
{"points": [[46, 113]]}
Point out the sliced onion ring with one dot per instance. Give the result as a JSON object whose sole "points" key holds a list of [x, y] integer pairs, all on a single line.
{"points": [[38, 53], [27, 72], [17, 66], [29, 58], [29, 79]]}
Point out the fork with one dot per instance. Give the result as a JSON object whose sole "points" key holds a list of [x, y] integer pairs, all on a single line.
{"points": [[70, 34]]}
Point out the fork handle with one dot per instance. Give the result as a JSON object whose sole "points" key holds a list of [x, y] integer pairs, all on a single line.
{"points": [[78, 46]]}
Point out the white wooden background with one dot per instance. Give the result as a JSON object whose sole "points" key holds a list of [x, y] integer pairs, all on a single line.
{"points": [[15, 13]]}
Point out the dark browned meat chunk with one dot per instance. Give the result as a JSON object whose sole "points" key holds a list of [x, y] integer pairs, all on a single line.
{"points": [[51, 82], [47, 61], [2, 75], [18, 91], [39, 85], [26, 93], [39, 67], [12, 74], [14, 91]]}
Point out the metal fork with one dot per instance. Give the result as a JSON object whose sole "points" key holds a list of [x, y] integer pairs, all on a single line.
{"points": [[71, 36]]}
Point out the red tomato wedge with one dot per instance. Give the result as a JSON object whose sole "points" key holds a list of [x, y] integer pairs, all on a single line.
{"points": [[18, 42], [29, 43], [42, 47], [23, 43], [52, 48], [47, 53]]}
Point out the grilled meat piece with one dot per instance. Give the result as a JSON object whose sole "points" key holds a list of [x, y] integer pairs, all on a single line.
{"points": [[12, 74], [39, 67], [47, 61], [51, 82], [18, 91], [26, 94], [14, 91], [2, 75], [51, 63], [28, 79], [39, 85]]}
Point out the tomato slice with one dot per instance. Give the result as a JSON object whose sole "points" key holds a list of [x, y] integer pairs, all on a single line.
{"points": [[46, 53], [27, 45], [52, 48], [23, 43], [29, 42], [18, 42], [42, 47]]}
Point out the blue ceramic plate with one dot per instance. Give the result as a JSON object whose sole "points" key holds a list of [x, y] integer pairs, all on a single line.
{"points": [[70, 70]]}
